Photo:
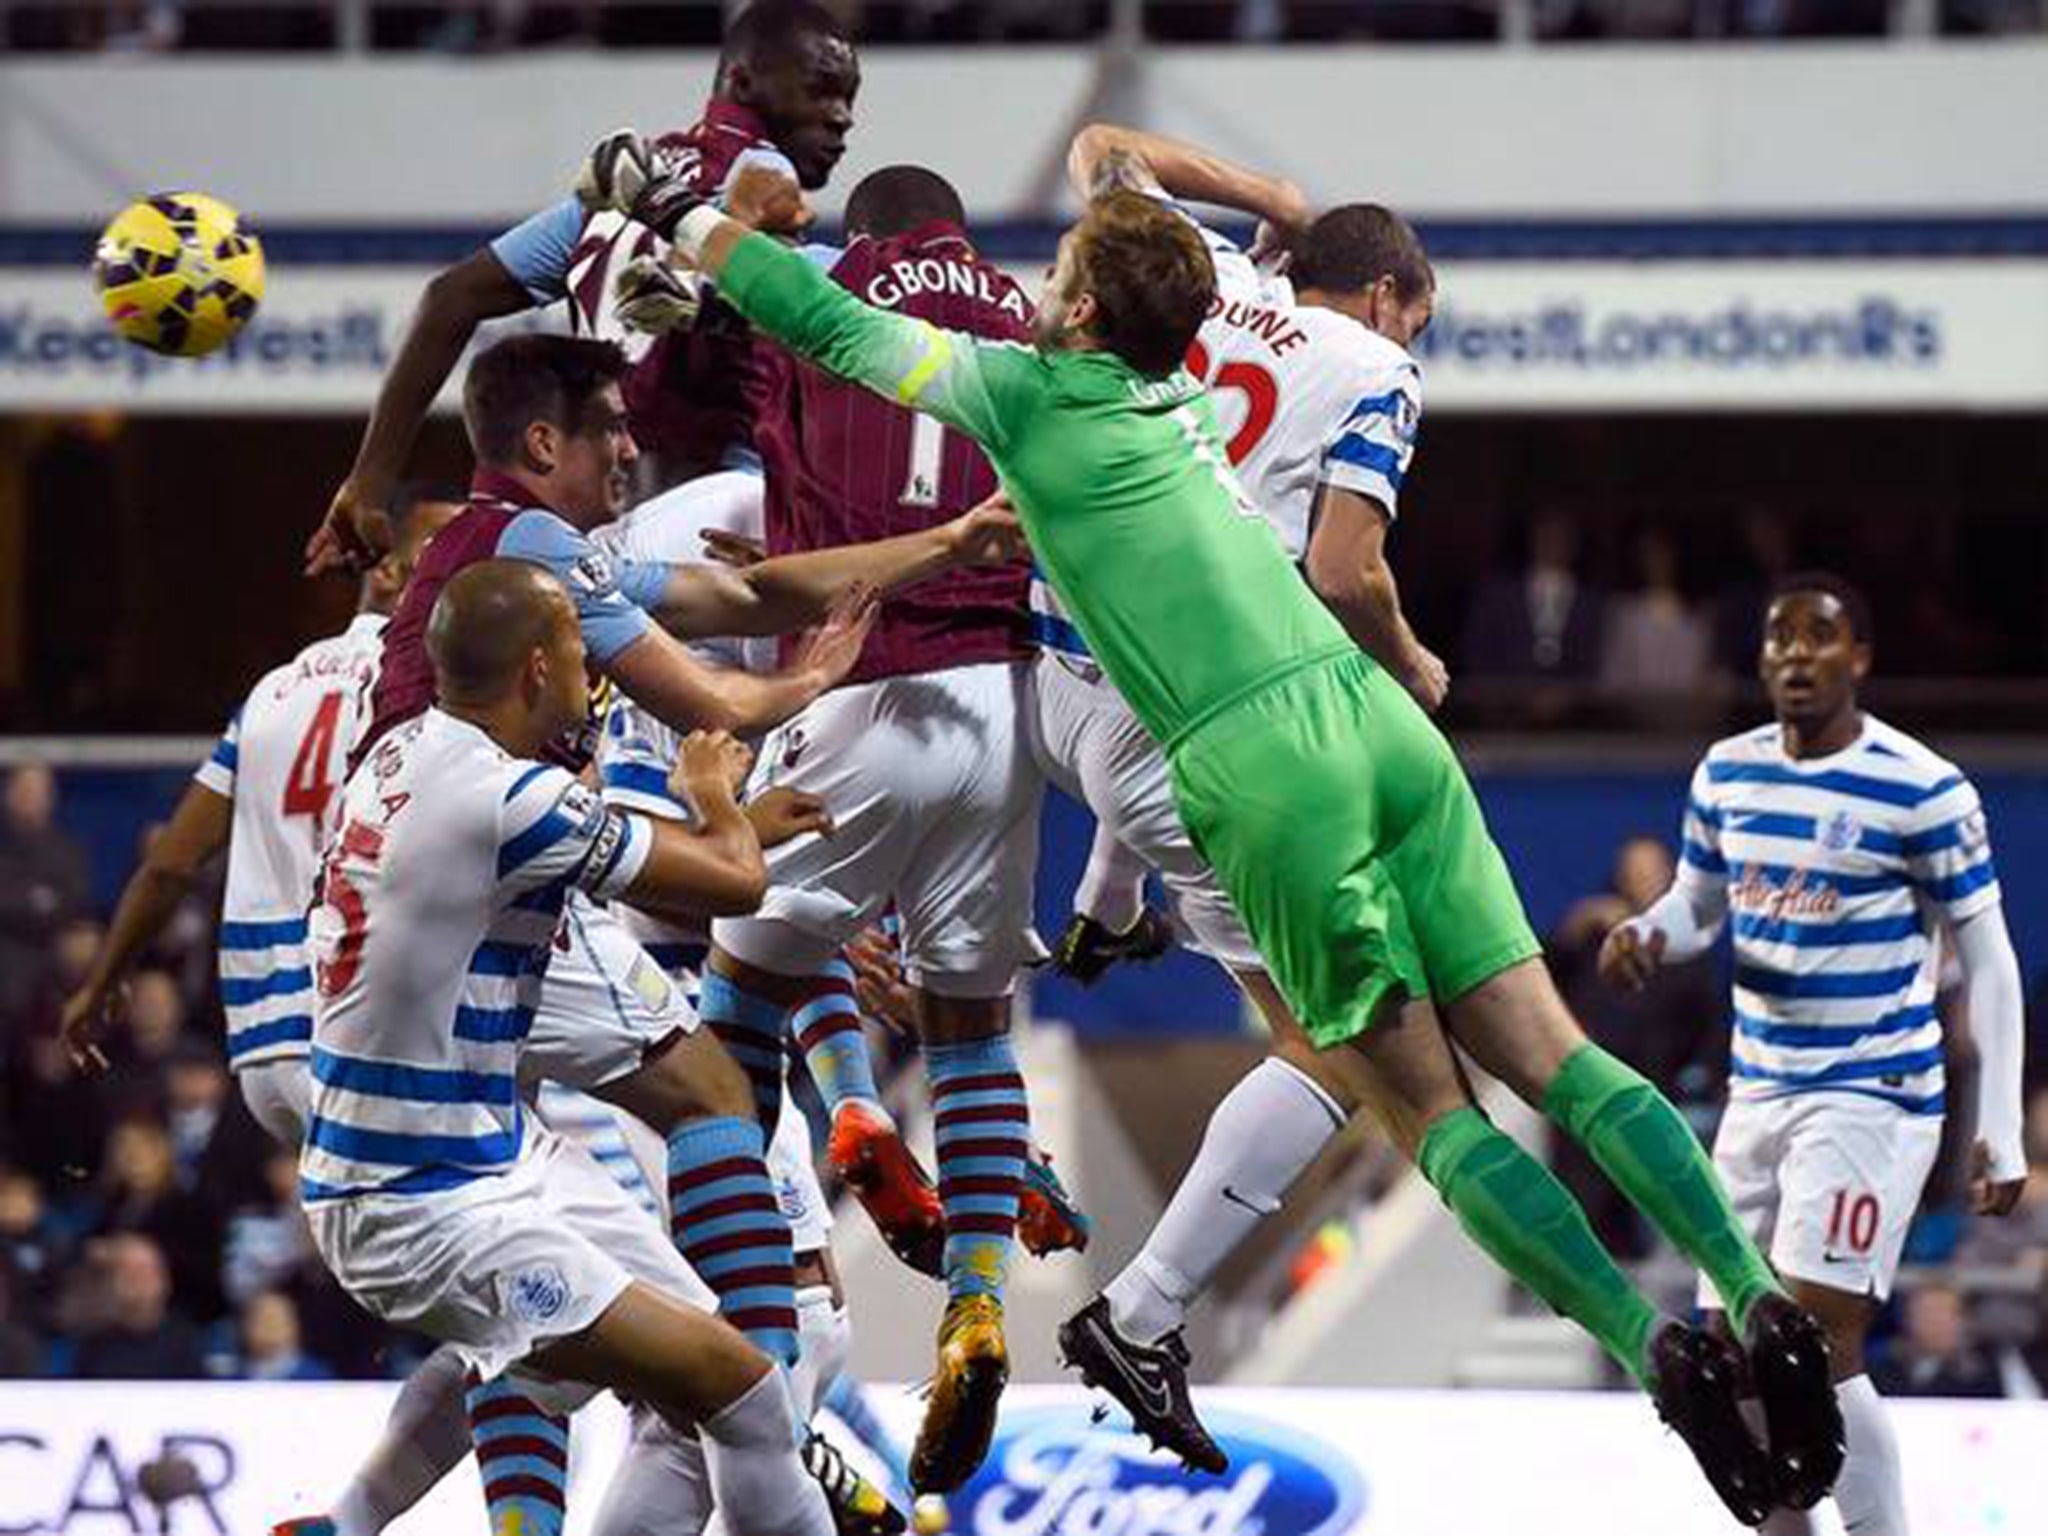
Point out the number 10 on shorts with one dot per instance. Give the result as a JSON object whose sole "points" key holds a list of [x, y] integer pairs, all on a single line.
{"points": [[1854, 1220]]}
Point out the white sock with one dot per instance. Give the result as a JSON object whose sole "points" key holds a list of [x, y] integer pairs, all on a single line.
{"points": [[424, 1439], [1112, 887], [1870, 1493], [824, 1337], [661, 1487], [757, 1482], [1264, 1133]]}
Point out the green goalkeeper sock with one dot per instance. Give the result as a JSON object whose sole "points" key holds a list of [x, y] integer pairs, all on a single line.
{"points": [[1651, 1154], [1511, 1206]]}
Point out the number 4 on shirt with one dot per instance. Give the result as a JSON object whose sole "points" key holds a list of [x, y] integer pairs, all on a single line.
{"points": [[310, 784]]}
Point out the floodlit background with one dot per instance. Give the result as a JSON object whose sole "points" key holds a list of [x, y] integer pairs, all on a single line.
{"points": [[1727, 287]]}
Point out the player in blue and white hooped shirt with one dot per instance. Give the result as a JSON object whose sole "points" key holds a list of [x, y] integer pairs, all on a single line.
{"points": [[435, 1199], [1841, 854], [267, 794]]}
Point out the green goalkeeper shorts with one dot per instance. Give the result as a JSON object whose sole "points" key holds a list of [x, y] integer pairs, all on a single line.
{"points": [[1338, 819]]}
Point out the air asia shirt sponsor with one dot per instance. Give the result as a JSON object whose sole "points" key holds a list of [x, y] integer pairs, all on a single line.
{"points": [[1052, 1472]]}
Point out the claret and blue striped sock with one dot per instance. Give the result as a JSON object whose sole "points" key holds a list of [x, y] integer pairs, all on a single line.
{"points": [[755, 1030], [828, 1030], [729, 1225], [522, 1451], [982, 1127]]}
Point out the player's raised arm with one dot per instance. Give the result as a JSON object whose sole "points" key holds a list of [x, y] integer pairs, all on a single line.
{"points": [[455, 302], [1107, 158], [974, 385]]}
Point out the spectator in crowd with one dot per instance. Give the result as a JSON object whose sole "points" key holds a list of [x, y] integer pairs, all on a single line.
{"points": [[195, 1097], [1654, 642], [35, 1248], [268, 1244], [133, 1332], [153, 1036], [145, 26], [271, 1350], [44, 879], [1770, 550], [51, 1119], [1934, 1355], [139, 1193], [21, 1352], [1543, 622], [1673, 1031]]}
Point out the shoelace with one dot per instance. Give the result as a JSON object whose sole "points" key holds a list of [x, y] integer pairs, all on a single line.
{"points": [[824, 1462]]}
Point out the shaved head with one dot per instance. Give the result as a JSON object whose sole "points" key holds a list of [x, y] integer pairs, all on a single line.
{"points": [[900, 198], [486, 625]]}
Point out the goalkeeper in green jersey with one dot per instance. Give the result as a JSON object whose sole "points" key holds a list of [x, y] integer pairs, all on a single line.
{"points": [[1335, 815]]}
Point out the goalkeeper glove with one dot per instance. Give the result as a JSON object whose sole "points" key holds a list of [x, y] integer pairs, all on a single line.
{"points": [[651, 296], [646, 181]]}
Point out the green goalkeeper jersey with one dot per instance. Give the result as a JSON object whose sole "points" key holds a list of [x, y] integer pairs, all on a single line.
{"points": [[1176, 582]]}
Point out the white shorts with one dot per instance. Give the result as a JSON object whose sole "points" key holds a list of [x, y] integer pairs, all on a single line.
{"points": [[794, 1168], [502, 1266], [603, 1005], [935, 799], [279, 1093], [1089, 743], [1826, 1183]]}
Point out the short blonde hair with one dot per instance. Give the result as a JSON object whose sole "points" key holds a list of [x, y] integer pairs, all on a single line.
{"points": [[1151, 276]]}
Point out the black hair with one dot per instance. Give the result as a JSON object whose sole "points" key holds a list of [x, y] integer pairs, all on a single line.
{"points": [[1348, 249], [529, 378], [899, 198], [1828, 584], [769, 33]]}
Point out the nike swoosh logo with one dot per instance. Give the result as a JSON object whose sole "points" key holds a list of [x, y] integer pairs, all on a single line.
{"points": [[1151, 1390], [1239, 1200]]}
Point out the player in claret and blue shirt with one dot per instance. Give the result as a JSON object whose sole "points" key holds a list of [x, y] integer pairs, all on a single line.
{"points": [[1838, 851], [783, 97]]}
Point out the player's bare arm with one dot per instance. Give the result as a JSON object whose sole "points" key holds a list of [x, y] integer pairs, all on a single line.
{"points": [[1347, 566], [357, 527], [711, 866], [197, 831], [783, 815], [658, 673], [1105, 157], [773, 597]]}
